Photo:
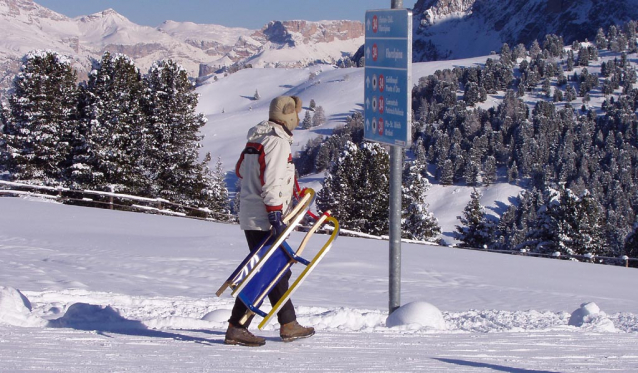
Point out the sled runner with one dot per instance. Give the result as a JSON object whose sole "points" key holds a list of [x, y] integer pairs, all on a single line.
{"points": [[262, 269]]}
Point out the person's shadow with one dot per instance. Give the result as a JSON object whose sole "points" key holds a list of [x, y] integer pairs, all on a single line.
{"points": [[82, 316]]}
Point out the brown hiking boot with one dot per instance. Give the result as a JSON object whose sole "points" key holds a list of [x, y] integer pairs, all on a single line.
{"points": [[236, 335], [291, 331]]}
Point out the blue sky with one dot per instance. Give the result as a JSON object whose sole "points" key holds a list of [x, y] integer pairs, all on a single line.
{"points": [[252, 14]]}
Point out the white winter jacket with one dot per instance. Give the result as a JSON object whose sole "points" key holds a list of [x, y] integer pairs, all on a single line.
{"points": [[267, 175]]}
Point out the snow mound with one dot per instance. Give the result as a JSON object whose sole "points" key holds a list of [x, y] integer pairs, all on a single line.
{"points": [[15, 309], [85, 316], [343, 318], [217, 316], [417, 313], [590, 316]]}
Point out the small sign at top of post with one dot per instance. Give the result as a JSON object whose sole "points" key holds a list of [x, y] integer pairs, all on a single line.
{"points": [[388, 58]]}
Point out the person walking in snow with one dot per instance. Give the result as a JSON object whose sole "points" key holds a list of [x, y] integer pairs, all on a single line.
{"points": [[267, 185]]}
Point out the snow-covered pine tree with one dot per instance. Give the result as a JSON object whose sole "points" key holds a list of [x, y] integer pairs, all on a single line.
{"points": [[505, 229], [213, 195], [586, 225], [373, 193], [446, 172], [564, 211], [476, 229], [42, 117], [236, 201], [570, 93], [535, 49], [319, 117], [542, 235], [631, 32], [336, 193], [356, 188], [519, 52], [324, 153], [583, 56], [506, 55], [601, 39], [219, 192], [631, 244], [307, 121], [417, 222], [472, 171], [177, 174], [518, 222], [568, 224], [113, 128], [4, 155], [471, 95]]}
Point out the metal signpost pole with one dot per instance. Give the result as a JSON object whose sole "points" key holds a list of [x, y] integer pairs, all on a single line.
{"points": [[396, 160], [396, 166], [388, 110]]}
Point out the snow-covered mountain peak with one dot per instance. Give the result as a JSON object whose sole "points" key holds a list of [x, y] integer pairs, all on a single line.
{"points": [[108, 15], [108, 21], [109, 28], [27, 10], [200, 48]]}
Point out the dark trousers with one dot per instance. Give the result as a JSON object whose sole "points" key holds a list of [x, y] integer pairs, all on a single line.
{"points": [[287, 313]]}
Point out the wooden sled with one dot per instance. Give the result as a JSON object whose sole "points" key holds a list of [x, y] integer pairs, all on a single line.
{"points": [[262, 269]]}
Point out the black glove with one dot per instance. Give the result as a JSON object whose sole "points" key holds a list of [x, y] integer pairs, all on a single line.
{"points": [[278, 226]]}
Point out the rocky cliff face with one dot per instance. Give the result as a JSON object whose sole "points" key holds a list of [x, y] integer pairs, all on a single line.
{"points": [[310, 32], [466, 28], [294, 44]]}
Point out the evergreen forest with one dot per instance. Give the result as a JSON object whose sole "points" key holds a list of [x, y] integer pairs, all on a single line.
{"points": [[119, 131], [577, 162]]}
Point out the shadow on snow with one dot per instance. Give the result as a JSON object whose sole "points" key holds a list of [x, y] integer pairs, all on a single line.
{"points": [[82, 316]]}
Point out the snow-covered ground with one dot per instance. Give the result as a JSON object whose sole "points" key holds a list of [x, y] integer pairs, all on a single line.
{"points": [[117, 291]]}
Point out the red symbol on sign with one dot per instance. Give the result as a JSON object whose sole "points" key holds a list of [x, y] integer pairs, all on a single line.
{"points": [[375, 52], [381, 82], [381, 104], [381, 127], [375, 24]]}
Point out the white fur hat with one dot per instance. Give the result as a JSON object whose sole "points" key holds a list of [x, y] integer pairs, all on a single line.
{"points": [[285, 110]]}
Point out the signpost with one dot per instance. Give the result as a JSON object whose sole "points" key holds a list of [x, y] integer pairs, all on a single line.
{"points": [[388, 110], [388, 53]]}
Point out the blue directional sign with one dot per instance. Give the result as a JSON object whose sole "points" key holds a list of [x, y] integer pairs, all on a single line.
{"points": [[388, 56]]}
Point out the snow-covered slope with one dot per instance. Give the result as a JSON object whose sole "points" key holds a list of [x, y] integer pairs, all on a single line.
{"points": [[453, 29], [231, 110], [204, 33], [110, 27], [91, 290], [110, 31]]}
